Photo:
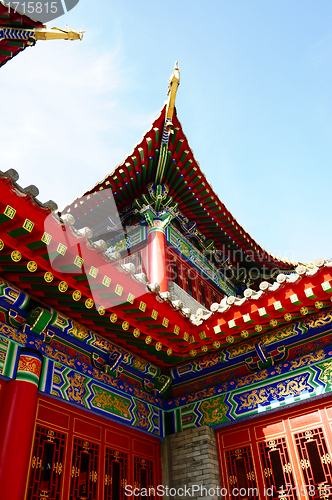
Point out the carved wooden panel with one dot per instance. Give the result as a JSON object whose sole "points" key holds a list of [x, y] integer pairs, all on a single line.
{"points": [[315, 460], [143, 476], [84, 470], [116, 470], [277, 469], [46, 465], [241, 473]]}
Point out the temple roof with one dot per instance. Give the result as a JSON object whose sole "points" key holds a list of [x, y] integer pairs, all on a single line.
{"points": [[61, 263], [188, 187]]}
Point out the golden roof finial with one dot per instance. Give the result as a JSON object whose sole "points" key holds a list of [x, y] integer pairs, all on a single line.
{"points": [[57, 33], [174, 82]]}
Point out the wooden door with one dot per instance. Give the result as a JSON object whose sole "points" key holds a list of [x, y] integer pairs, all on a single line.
{"points": [[284, 456], [79, 456]]}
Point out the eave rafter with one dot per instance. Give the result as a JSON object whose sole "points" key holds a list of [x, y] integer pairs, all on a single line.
{"points": [[49, 260], [44, 256]]}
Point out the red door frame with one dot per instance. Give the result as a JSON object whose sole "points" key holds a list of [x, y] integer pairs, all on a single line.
{"points": [[279, 424], [74, 422]]}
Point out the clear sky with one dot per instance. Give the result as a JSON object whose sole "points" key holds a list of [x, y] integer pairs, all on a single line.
{"points": [[255, 102]]}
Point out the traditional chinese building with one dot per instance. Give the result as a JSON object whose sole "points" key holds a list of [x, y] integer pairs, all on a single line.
{"points": [[146, 339]]}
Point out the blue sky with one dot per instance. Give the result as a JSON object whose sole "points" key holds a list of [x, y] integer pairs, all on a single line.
{"points": [[255, 102]]}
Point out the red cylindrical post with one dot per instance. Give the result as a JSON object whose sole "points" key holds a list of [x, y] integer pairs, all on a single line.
{"points": [[157, 255], [17, 422]]}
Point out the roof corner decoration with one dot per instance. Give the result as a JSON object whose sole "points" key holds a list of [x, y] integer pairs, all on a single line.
{"points": [[58, 34], [18, 31], [174, 82], [163, 174]]}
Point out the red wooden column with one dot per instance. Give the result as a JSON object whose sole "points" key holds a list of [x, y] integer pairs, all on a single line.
{"points": [[17, 422], [157, 255]]}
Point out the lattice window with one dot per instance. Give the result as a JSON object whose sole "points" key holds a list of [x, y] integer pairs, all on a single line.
{"points": [[143, 476], [46, 465], [115, 474], [84, 471], [241, 473], [315, 460], [277, 469]]}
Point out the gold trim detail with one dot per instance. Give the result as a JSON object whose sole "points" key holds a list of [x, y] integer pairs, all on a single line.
{"points": [[119, 290], [62, 249], [46, 238], [16, 256], [158, 346], [106, 281], [32, 266], [1, 245], [48, 277], [89, 303], [28, 225], [125, 325], [78, 261], [56, 33], [169, 352], [101, 310], [165, 322], [113, 318], [93, 272], [77, 295], [148, 339], [10, 212], [136, 333], [131, 298], [154, 314], [142, 306]]}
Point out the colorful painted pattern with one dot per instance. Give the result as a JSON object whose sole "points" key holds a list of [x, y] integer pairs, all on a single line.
{"points": [[302, 378], [189, 252], [296, 339], [72, 386], [72, 338], [28, 369], [75, 369], [95, 373]]}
